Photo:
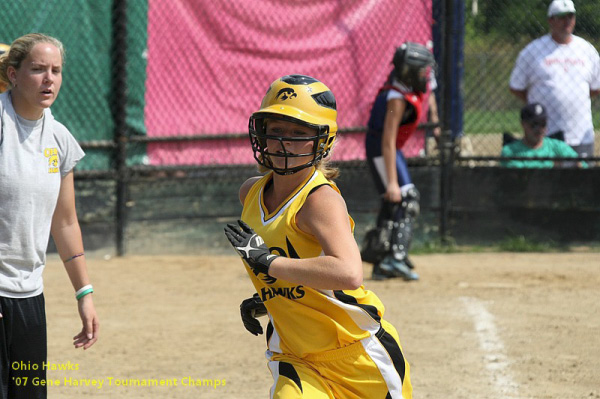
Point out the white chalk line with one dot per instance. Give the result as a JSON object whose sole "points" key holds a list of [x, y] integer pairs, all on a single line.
{"points": [[496, 361]]}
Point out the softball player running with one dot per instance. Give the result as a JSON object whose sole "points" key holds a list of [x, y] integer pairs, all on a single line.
{"points": [[326, 335]]}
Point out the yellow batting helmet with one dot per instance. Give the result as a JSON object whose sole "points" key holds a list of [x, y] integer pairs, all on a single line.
{"points": [[299, 99]]}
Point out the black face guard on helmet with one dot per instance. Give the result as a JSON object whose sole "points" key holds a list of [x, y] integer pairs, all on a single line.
{"points": [[263, 155], [410, 65]]}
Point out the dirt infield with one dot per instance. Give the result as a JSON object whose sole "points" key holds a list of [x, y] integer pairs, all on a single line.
{"points": [[475, 326]]}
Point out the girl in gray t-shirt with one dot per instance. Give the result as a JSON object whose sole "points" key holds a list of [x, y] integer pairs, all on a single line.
{"points": [[37, 157]]}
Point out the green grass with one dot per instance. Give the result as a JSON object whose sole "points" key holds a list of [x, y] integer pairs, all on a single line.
{"points": [[484, 122], [522, 244], [449, 247], [477, 122], [433, 247], [509, 244]]}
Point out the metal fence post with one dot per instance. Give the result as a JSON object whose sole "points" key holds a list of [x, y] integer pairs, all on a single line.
{"points": [[446, 144], [446, 164], [119, 104]]}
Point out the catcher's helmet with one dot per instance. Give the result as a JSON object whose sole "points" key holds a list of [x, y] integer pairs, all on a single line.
{"points": [[410, 65], [299, 99]]}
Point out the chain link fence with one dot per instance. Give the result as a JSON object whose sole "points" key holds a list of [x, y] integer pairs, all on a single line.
{"points": [[159, 94], [495, 33]]}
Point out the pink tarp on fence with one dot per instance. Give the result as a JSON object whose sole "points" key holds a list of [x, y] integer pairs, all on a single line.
{"points": [[210, 63]]}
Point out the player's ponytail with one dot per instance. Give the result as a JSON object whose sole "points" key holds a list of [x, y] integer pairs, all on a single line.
{"points": [[324, 166], [4, 82]]}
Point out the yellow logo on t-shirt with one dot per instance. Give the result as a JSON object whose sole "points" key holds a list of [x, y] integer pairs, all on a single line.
{"points": [[52, 155]]}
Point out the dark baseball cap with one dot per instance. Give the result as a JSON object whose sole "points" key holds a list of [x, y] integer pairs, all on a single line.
{"points": [[534, 112]]}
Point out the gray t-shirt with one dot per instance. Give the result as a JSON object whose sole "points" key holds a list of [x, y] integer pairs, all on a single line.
{"points": [[34, 156]]}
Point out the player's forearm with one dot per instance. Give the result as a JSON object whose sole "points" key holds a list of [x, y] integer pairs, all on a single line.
{"points": [[433, 110], [520, 94], [389, 160], [322, 272], [69, 246]]}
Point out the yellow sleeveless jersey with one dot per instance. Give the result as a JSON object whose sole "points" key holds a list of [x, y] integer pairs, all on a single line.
{"points": [[304, 320]]}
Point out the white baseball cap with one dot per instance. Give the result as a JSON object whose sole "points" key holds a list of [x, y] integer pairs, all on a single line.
{"points": [[561, 7]]}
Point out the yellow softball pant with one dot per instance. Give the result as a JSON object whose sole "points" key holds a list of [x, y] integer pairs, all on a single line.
{"points": [[371, 368]]}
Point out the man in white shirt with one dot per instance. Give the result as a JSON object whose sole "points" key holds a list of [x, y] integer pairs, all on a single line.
{"points": [[562, 72]]}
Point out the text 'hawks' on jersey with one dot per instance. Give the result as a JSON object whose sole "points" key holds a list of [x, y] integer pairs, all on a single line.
{"points": [[304, 320]]}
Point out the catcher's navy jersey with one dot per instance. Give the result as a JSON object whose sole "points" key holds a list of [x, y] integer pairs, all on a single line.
{"points": [[411, 117], [304, 320]]}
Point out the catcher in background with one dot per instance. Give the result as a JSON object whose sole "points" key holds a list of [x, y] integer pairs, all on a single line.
{"points": [[394, 117], [326, 334]]}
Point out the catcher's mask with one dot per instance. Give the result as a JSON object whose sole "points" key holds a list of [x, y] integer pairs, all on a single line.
{"points": [[298, 99], [411, 65]]}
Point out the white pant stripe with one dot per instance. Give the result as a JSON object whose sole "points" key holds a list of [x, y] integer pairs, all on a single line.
{"points": [[380, 356]]}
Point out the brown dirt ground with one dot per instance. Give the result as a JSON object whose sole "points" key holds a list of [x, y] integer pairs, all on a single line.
{"points": [[484, 325]]}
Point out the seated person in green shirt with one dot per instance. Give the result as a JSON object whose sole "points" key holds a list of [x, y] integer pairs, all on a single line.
{"points": [[535, 144]]}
